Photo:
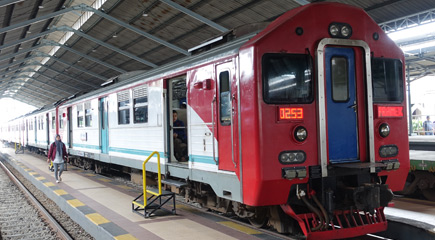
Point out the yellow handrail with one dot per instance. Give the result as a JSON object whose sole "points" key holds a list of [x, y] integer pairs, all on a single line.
{"points": [[145, 177]]}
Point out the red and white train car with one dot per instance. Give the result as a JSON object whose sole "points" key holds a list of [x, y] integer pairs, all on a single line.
{"points": [[299, 126]]}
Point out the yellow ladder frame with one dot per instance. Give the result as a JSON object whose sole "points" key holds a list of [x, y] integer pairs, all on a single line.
{"points": [[144, 177]]}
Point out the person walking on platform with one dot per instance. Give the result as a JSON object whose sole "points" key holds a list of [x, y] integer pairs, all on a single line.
{"points": [[57, 154]]}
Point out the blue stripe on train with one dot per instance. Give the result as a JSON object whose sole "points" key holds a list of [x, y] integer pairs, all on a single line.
{"points": [[193, 158]]}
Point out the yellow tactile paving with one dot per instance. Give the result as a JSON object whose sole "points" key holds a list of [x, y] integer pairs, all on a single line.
{"points": [[104, 179], [125, 187], [33, 173], [60, 192], [75, 203], [97, 218], [239, 227], [27, 169], [121, 204], [90, 174], [40, 178], [125, 237], [184, 229], [49, 184]]}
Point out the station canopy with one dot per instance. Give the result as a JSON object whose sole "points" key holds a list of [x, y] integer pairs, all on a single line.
{"points": [[53, 49]]}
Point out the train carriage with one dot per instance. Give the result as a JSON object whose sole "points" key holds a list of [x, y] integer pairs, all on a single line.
{"points": [[299, 125]]}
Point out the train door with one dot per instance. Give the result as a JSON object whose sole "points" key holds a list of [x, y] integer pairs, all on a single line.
{"points": [[69, 127], [104, 123], [47, 118], [226, 121], [341, 104], [35, 128], [177, 120]]}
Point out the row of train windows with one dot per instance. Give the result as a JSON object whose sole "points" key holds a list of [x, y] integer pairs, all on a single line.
{"points": [[140, 106], [287, 78], [84, 115]]}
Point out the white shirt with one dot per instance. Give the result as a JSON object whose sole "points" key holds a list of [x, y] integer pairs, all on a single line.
{"points": [[58, 158]]}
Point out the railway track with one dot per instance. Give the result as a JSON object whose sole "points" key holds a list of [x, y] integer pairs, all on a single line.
{"points": [[21, 215]]}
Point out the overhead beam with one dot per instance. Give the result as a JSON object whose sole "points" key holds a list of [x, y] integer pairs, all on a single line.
{"points": [[409, 21], [45, 43], [49, 78], [53, 43], [106, 45], [84, 7], [4, 3], [35, 79], [138, 31], [27, 87], [39, 95], [195, 15], [34, 63], [46, 55], [38, 90], [42, 54]]}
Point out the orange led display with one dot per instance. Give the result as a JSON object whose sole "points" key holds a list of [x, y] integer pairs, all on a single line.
{"points": [[384, 111], [287, 113]]}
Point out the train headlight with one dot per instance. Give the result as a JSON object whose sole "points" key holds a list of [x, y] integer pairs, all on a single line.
{"points": [[300, 134], [291, 157], [333, 30], [345, 31], [340, 30], [384, 130], [388, 151]]}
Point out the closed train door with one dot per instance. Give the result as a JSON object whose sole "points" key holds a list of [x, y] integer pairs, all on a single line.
{"points": [[342, 104], [226, 121], [69, 127], [35, 128], [104, 133], [47, 118]]}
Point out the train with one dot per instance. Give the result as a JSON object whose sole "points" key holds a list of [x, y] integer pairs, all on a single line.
{"points": [[297, 125]]}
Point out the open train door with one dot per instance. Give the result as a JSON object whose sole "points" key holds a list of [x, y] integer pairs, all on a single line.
{"points": [[227, 117], [177, 110]]}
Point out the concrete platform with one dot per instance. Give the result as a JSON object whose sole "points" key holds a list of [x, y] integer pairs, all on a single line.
{"points": [[411, 218], [102, 206]]}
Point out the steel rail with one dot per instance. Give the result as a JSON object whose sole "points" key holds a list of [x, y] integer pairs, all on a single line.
{"points": [[60, 232]]}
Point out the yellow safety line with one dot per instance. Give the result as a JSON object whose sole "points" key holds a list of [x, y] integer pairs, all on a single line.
{"points": [[125, 237], [239, 227], [97, 218]]}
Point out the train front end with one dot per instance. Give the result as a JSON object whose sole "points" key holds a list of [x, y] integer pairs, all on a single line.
{"points": [[323, 122]]}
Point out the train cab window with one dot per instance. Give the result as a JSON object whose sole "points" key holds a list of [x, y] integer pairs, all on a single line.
{"points": [[340, 81], [387, 80], [124, 107], [88, 115], [80, 116], [140, 104], [225, 97], [287, 78]]}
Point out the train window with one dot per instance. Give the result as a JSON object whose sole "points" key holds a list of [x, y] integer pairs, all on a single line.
{"points": [[140, 101], [124, 107], [340, 79], [387, 80], [80, 116], [53, 120], [225, 97], [88, 115], [60, 121], [287, 78]]}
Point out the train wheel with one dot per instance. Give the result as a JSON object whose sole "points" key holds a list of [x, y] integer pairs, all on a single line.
{"points": [[429, 194], [260, 218]]}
